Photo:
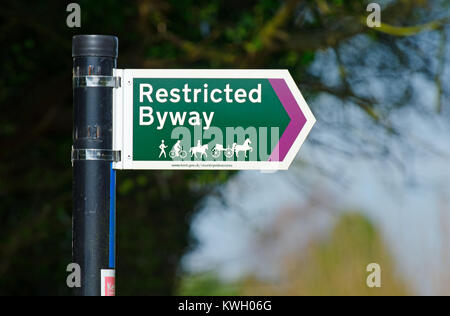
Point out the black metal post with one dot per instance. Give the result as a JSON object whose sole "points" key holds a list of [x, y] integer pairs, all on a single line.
{"points": [[94, 58]]}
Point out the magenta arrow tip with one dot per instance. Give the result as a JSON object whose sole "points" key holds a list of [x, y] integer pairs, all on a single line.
{"points": [[296, 123]]}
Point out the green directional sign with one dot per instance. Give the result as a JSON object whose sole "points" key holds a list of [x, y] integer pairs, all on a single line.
{"points": [[209, 119]]}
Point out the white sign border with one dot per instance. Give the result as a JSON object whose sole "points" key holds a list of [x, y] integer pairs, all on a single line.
{"points": [[123, 119]]}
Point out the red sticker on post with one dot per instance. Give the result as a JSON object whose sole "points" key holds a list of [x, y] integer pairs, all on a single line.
{"points": [[108, 282]]}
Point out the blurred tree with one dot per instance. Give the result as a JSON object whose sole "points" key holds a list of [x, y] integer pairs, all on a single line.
{"points": [[154, 207], [336, 265], [207, 284]]}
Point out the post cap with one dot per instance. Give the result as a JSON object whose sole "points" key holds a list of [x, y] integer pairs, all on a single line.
{"points": [[95, 45]]}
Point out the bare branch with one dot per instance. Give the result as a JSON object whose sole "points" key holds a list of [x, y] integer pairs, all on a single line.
{"points": [[410, 30]]}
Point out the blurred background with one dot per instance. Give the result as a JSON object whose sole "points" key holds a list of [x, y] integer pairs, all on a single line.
{"points": [[370, 184]]}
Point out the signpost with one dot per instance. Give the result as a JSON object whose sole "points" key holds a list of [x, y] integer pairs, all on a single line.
{"points": [[94, 60], [166, 119], [209, 119]]}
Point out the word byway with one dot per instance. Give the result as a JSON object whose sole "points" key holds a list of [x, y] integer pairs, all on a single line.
{"points": [[146, 118]]}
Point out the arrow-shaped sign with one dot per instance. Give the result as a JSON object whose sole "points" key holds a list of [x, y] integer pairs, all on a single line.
{"points": [[209, 119]]}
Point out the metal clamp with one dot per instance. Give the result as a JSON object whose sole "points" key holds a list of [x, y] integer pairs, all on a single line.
{"points": [[96, 154], [97, 81]]}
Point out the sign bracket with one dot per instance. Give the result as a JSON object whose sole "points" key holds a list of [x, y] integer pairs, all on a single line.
{"points": [[97, 81], [96, 154]]}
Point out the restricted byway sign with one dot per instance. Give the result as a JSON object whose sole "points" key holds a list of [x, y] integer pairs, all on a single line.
{"points": [[208, 119]]}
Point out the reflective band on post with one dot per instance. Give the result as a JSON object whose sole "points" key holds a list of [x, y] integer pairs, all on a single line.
{"points": [[96, 154], [96, 81]]}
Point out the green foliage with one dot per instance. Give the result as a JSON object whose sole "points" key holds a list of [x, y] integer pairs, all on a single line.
{"points": [[336, 265], [207, 284]]}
